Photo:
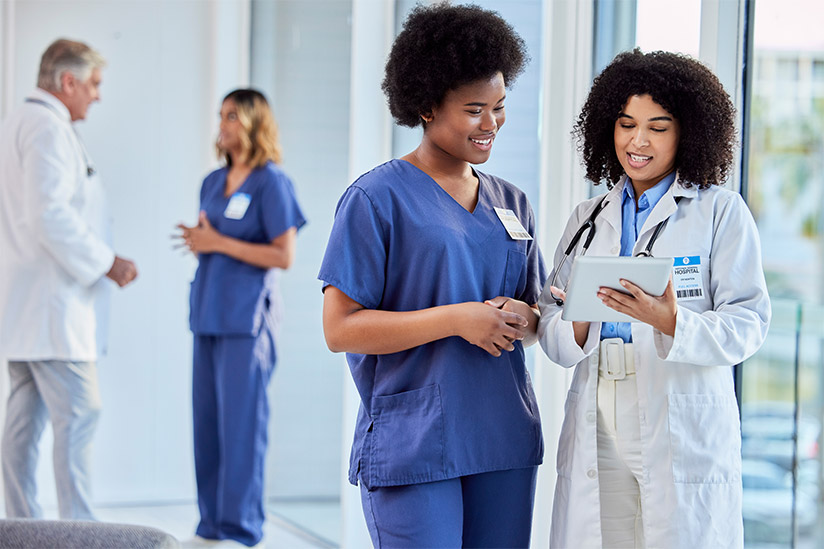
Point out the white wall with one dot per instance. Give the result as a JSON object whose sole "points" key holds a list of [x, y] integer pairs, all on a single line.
{"points": [[300, 60], [151, 139]]}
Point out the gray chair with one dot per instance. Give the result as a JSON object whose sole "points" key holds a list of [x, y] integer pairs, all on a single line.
{"points": [[78, 534]]}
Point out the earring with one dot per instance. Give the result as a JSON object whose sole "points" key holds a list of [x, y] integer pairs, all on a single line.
{"points": [[426, 119]]}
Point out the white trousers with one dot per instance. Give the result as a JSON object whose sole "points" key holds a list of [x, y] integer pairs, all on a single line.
{"points": [[67, 394], [619, 463]]}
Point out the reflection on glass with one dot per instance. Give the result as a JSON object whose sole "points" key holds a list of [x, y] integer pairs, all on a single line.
{"points": [[783, 386]]}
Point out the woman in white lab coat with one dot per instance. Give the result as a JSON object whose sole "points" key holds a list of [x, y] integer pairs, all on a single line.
{"points": [[649, 453]]}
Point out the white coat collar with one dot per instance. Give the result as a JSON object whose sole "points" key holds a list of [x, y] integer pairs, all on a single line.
{"points": [[666, 206], [55, 105]]}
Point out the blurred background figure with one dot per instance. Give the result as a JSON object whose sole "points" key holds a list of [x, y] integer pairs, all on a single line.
{"points": [[246, 232], [56, 252]]}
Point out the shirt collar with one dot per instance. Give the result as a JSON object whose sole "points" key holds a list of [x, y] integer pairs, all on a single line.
{"points": [[653, 194], [59, 108]]}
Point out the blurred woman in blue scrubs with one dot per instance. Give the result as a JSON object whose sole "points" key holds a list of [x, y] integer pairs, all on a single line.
{"points": [[249, 218], [431, 278]]}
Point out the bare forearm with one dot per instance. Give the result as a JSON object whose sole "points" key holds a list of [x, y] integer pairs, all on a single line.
{"points": [[375, 332], [581, 330], [265, 256]]}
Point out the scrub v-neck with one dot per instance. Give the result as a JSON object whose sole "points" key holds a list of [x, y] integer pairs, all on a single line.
{"points": [[452, 198]]}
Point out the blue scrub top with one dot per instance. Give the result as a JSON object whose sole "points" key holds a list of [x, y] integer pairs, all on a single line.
{"points": [[230, 297], [447, 408]]}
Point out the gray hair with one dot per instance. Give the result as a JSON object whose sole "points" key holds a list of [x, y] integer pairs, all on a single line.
{"points": [[67, 55]]}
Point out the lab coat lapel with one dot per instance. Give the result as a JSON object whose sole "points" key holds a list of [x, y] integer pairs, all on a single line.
{"points": [[612, 213], [665, 208]]}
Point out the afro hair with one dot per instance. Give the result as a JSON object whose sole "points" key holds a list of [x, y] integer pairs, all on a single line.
{"points": [[443, 47], [686, 89]]}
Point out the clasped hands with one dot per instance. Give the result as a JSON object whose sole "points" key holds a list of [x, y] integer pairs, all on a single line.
{"points": [[496, 324], [199, 239]]}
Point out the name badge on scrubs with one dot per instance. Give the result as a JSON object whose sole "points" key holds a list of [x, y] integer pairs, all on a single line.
{"points": [[237, 206], [512, 225], [686, 278]]}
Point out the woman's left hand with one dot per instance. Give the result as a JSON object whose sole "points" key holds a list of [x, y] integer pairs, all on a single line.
{"points": [[530, 313], [658, 312], [203, 238]]}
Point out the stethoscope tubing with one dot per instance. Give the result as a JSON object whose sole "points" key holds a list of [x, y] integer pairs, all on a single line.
{"points": [[589, 225]]}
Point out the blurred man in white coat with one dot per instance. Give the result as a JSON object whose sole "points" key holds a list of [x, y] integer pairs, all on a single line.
{"points": [[54, 258]]}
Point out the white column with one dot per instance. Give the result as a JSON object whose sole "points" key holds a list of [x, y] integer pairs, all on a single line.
{"points": [[231, 45], [566, 74], [722, 49], [7, 57], [370, 144]]}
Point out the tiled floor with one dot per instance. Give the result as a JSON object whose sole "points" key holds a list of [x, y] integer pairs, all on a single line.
{"points": [[180, 521]]}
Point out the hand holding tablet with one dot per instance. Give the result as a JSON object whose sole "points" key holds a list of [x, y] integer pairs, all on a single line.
{"points": [[589, 273]]}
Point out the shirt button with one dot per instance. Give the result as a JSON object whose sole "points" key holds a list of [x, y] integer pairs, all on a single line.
{"points": [[591, 417], [592, 473], [615, 250]]}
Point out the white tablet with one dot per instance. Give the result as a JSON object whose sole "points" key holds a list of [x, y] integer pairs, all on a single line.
{"points": [[589, 273]]}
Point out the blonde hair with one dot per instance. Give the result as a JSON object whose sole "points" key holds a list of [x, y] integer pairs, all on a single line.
{"points": [[260, 139], [67, 55]]}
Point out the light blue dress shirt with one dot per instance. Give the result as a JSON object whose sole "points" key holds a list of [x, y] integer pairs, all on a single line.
{"points": [[631, 223]]}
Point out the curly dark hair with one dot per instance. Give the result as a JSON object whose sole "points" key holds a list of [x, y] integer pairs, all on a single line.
{"points": [[686, 89], [443, 47]]}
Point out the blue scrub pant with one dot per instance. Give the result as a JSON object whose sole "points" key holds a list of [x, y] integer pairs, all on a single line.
{"points": [[230, 416], [485, 510]]}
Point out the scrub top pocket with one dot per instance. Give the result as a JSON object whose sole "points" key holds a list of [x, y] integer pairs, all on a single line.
{"points": [[407, 438]]}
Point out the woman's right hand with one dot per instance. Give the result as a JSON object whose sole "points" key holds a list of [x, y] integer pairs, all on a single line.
{"points": [[490, 328]]}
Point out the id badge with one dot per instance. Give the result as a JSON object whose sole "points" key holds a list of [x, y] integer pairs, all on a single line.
{"points": [[687, 279], [237, 206], [512, 225]]}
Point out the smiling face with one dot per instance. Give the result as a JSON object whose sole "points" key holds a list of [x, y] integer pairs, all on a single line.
{"points": [[466, 122], [646, 141]]}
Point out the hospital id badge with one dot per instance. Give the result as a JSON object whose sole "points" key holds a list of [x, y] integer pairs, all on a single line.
{"points": [[686, 278], [237, 206], [512, 225]]}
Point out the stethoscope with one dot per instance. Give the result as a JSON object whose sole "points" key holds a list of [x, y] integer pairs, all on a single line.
{"points": [[589, 225], [90, 170]]}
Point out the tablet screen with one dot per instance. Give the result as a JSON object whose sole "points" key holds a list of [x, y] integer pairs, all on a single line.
{"points": [[589, 273]]}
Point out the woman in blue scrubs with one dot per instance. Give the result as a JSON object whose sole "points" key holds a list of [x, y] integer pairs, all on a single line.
{"points": [[431, 279], [249, 218]]}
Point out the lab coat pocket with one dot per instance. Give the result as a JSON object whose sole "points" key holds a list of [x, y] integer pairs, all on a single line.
{"points": [[407, 437], [566, 444], [515, 261], [705, 438]]}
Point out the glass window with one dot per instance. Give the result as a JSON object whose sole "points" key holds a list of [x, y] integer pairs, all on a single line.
{"points": [[654, 25], [782, 386]]}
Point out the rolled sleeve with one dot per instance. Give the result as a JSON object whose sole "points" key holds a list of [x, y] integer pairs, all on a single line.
{"points": [[355, 258]]}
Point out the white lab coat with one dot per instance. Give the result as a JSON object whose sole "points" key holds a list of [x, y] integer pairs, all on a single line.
{"points": [[53, 238], [690, 430]]}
